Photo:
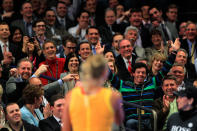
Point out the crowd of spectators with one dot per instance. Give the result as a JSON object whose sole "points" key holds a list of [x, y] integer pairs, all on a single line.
{"points": [[151, 55]]}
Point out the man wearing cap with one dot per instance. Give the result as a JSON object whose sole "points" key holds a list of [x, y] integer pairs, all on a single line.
{"points": [[186, 118]]}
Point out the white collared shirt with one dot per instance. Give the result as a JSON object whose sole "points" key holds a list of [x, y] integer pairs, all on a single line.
{"points": [[58, 120], [2, 46], [59, 19], [126, 61]]}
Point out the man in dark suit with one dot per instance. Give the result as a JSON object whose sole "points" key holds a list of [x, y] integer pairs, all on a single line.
{"points": [[143, 39], [7, 49], [126, 60], [54, 123], [190, 44], [7, 12], [62, 18], [53, 31], [25, 24], [108, 29], [14, 120]]}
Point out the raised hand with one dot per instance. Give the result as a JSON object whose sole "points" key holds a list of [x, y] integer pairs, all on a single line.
{"points": [[176, 45], [99, 49], [68, 77], [7, 58], [41, 69], [166, 103], [13, 72]]}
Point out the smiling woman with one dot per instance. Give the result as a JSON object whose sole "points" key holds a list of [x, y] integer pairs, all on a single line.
{"points": [[157, 63], [55, 65], [72, 67]]}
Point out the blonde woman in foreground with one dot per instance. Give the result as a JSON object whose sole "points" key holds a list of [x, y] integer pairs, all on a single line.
{"points": [[91, 107]]}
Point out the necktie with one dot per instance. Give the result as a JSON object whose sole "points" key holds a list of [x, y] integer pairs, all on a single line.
{"points": [[62, 22], [28, 29], [129, 67], [165, 32], [92, 21], [93, 50], [60, 122], [4, 48], [193, 52]]}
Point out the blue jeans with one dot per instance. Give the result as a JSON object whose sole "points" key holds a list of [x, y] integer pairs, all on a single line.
{"points": [[132, 124]]}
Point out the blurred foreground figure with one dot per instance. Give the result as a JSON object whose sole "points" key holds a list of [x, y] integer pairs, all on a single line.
{"points": [[186, 117], [91, 106]]}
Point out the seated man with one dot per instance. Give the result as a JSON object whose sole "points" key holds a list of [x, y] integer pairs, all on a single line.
{"points": [[141, 90], [20, 77], [53, 123], [14, 121], [166, 104]]}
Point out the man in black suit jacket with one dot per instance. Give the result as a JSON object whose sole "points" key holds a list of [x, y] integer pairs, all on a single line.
{"points": [[7, 49], [25, 24], [187, 44], [62, 18], [125, 49], [53, 123]]}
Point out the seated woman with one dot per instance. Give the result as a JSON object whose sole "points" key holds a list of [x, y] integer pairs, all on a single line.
{"points": [[156, 63], [158, 45], [33, 97], [72, 67], [55, 65], [109, 55]]}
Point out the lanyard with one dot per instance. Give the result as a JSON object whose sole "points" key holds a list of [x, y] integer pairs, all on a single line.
{"points": [[52, 71]]}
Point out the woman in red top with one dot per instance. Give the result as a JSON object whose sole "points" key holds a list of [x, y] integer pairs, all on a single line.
{"points": [[55, 65]]}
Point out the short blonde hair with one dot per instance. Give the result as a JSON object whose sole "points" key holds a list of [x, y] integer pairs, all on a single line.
{"points": [[93, 67], [157, 56]]}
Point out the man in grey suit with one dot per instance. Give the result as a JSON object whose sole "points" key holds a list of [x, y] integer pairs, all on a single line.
{"points": [[20, 77], [53, 31], [131, 33], [156, 13], [171, 14], [25, 24]]}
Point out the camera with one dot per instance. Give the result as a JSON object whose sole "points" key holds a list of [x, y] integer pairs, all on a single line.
{"points": [[31, 39]]}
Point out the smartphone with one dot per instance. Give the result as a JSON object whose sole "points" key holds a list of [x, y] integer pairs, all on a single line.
{"points": [[31, 39]]}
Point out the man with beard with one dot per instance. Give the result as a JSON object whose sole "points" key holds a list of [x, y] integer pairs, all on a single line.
{"points": [[53, 123], [14, 121], [166, 105], [186, 117]]}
